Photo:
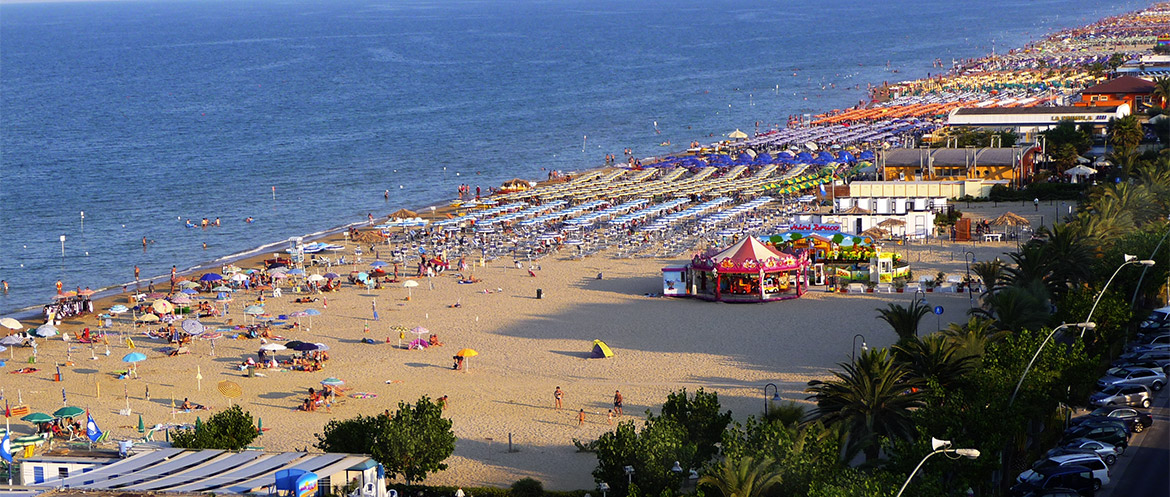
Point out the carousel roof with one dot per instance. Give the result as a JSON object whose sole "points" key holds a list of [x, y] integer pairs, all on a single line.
{"points": [[748, 256]]}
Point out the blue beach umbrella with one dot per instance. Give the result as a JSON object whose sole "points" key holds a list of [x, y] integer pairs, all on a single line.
{"points": [[210, 277]]}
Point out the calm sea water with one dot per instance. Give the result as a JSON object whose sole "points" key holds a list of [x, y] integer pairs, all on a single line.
{"points": [[142, 114]]}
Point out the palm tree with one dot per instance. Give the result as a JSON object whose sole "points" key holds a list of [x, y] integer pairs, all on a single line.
{"points": [[991, 273], [872, 398], [787, 413], [1067, 245], [971, 338], [1125, 133], [936, 358], [1162, 91], [743, 477], [1017, 307], [904, 320]]}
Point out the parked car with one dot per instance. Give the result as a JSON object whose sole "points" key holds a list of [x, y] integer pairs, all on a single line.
{"points": [[1108, 452], [1135, 420], [1054, 492], [1112, 435], [1122, 394], [1157, 320], [1151, 339], [1149, 347], [1153, 378], [1077, 478], [1092, 461], [1161, 357], [1163, 365], [1129, 356]]}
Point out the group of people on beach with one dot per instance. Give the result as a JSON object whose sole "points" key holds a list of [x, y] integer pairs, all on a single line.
{"points": [[558, 404]]}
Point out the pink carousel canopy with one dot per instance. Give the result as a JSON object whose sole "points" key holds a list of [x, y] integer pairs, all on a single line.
{"points": [[748, 256]]}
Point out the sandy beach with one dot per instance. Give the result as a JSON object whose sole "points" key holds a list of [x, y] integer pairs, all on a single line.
{"points": [[527, 347]]}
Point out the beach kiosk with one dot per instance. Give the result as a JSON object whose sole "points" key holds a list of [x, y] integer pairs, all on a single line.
{"points": [[748, 271]]}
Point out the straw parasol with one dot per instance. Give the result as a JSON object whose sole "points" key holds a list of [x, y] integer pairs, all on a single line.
{"points": [[856, 210], [403, 213], [1010, 219], [876, 233], [229, 389], [889, 223]]}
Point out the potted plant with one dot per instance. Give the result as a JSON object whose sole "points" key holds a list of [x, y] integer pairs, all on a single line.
{"points": [[900, 285], [869, 286]]}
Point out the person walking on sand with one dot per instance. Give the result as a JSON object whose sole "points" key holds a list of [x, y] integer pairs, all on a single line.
{"points": [[580, 417], [617, 402], [610, 417], [558, 395]]}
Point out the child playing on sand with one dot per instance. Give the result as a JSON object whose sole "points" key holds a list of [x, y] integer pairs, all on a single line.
{"points": [[558, 394]]}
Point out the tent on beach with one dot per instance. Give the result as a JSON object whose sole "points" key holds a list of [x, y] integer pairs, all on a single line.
{"points": [[600, 350]]}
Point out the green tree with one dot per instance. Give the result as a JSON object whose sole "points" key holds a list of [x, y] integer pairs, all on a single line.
{"points": [[1162, 91], [412, 443], [935, 360], [230, 429], [806, 454], [1017, 307], [904, 320], [1066, 132], [1125, 133], [743, 477], [872, 398], [991, 273], [527, 487], [699, 415], [651, 452]]}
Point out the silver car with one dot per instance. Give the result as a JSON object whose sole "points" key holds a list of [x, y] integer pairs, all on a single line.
{"points": [[1107, 452], [1153, 378], [1123, 394]]}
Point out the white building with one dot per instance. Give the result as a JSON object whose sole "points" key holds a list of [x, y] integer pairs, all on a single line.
{"points": [[857, 214], [1033, 119]]}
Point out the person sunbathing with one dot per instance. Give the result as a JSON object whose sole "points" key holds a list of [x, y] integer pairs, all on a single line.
{"points": [[24, 371], [434, 341], [190, 406]]}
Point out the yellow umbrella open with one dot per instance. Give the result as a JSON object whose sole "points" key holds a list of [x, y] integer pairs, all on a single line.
{"points": [[465, 354], [148, 318], [163, 306]]}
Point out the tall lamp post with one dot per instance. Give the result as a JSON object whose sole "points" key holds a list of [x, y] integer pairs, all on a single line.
{"points": [[1129, 259], [1083, 326], [969, 258], [940, 447], [853, 351], [775, 396]]}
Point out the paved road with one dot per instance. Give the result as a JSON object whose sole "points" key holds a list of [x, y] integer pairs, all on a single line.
{"points": [[1144, 470]]}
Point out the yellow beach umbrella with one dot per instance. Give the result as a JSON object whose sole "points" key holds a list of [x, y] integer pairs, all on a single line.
{"points": [[466, 353]]}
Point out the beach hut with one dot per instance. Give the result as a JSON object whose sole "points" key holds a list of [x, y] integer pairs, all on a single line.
{"points": [[748, 271], [600, 350]]}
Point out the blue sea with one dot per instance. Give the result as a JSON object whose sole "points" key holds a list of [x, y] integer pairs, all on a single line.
{"points": [[143, 114]]}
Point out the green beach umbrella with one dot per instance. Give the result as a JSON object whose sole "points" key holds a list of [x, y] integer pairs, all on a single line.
{"points": [[141, 426], [198, 423], [68, 412], [260, 425], [37, 417]]}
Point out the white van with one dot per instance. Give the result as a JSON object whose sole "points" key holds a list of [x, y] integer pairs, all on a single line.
{"points": [[1091, 461]]}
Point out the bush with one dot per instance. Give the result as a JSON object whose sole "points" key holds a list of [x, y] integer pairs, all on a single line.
{"points": [[230, 429], [412, 443], [527, 487]]}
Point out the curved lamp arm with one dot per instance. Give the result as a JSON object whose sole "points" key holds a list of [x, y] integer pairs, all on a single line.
{"points": [[969, 453]]}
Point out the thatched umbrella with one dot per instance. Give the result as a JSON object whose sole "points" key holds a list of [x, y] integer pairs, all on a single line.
{"points": [[1010, 219], [890, 223], [876, 233], [855, 210], [403, 214]]}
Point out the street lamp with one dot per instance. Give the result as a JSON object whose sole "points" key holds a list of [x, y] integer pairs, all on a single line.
{"points": [[1088, 325], [853, 351], [917, 298], [1129, 259], [629, 474], [940, 447], [775, 398], [603, 487], [968, 258]]}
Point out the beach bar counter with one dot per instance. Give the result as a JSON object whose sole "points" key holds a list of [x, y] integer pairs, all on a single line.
{"points": [[748, 271]]}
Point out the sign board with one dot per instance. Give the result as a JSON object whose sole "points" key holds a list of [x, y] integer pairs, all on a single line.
{"points": [[307, 485], [673, 281], [816, 228], [938, 310]]}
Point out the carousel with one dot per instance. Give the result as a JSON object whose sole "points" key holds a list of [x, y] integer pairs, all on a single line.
{"points": [[748, 271]]}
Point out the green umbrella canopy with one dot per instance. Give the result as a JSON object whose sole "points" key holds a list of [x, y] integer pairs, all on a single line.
{"points": [[198, 423], [37, 417], [68, 412], [141, 426]]}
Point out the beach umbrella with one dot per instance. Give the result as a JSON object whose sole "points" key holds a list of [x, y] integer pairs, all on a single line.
{"points": [[466, 354], [37, 417], [419, 343], [296, 272], [3, 348], [231, 269], [320, 346], [272, 347], [239, 277], [192, 326], [279, 276], [85, 293], [188, 284], [363, 276], [223, 288], [229, 389], [420, 331], [48, 329], [148, 318], [181, 299], [68, 412], [134, 357], [162, 306], [379, 264], [332, 275], [293, 344], [189, 291], [11, 324], [409, 285], [254, 310], [141, 425], [210, 277], [316, 277], [11, 340], [331, 381], [119, 309], [304, 347]]}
